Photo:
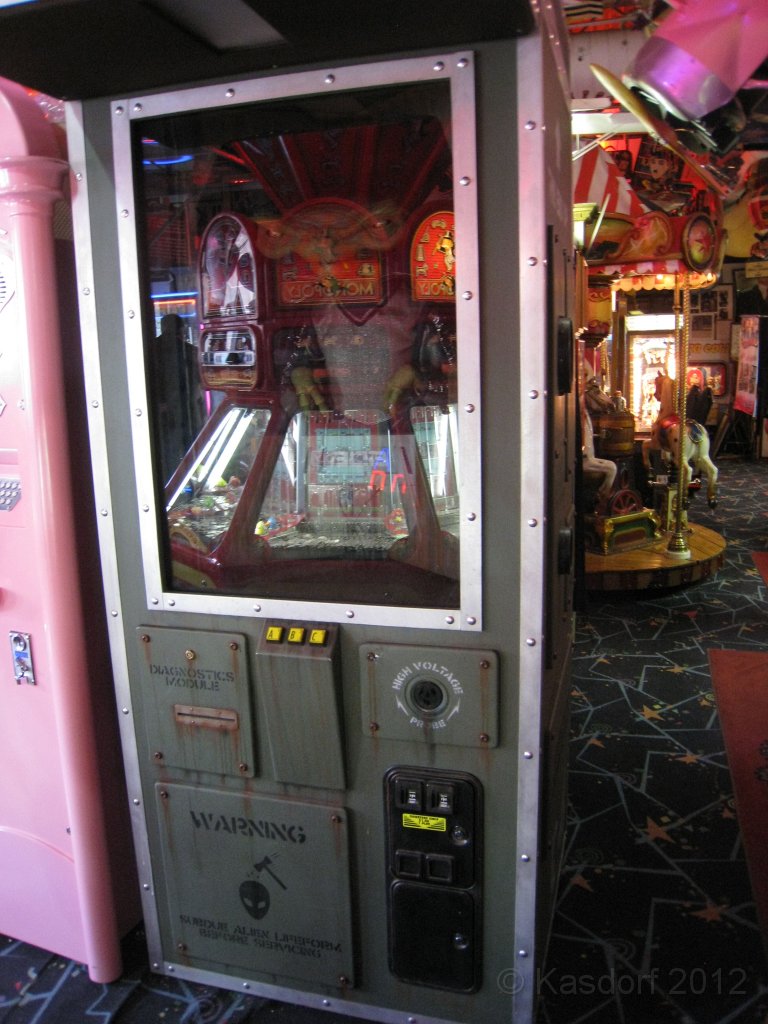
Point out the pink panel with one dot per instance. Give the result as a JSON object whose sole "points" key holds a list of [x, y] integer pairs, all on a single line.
{"points": [[58, 872]]}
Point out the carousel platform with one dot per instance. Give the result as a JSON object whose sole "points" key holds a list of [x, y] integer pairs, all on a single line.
{"points": [[652, 566]]}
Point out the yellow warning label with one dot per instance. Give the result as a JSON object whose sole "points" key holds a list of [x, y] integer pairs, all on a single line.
{"points": [[426, 821]]}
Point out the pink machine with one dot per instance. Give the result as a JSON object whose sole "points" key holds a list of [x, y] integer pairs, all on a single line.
{"points": [[67, 878]]}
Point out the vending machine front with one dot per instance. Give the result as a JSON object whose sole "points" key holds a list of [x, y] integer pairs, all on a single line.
{"points": [[67, 872], [341, 614]]}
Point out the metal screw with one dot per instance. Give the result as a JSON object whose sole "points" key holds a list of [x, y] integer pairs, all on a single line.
{"points": [[484, 737], [145, 638], [234, 646], [190, 655], [158, 755], [374, 726], [242, 767]]}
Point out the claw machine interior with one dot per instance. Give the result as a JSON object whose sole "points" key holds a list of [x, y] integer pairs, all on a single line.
{"points": [[340, 553]]}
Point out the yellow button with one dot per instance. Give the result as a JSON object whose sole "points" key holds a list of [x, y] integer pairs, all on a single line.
{"points": [[296, 635], [318, 636], [274, 634]]}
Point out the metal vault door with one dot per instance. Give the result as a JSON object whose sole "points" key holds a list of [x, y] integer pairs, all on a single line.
{"points": [[330, 611]]}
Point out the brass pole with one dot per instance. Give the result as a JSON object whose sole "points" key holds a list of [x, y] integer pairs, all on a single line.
{"points": [[678, 542]]}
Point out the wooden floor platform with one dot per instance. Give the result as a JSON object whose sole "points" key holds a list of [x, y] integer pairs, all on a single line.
{"points": [[653, 566]]}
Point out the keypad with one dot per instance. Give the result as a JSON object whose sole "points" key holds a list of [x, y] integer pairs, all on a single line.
{"points": [[10, 493]]}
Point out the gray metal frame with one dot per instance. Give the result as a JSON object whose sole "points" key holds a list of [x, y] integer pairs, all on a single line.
{"points": [[458, 68]]}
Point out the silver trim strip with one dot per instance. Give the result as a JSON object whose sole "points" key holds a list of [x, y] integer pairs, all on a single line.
{"points": [[103, 501]]}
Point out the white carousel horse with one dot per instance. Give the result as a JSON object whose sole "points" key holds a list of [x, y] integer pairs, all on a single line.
{"points": [[602, 470], [665, 436]]}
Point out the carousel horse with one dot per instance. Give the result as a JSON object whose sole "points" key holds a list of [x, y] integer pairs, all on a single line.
{"points": [[665, 437], [603, 471]]}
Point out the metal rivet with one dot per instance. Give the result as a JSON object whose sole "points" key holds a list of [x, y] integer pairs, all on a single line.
{"points": [[145, 887], [532, 261], [95, 403], [350, 614], [525, 858], [450, 620], [471, 620], [137, 107], [326, 1002], [533, 394], [79, 176], [257, 607], [103, 512], [246, 984], [125, 711], [336, 819], [171, 603], [469, 407], [137, 802], [530, 125], [533, 522], [242, 767], [530, 641], [145, 508], [86, 291], [137, 412], [119, 110], [466, 295], [234, 646], [484, 737], [330, 79], [374, 726], [471, 517], [155, 600], [462, 63], [522, 953], [124, 213], [229, 93], [465, 180], [438, 66], [527, 755], [131, 314], [145, 638]]}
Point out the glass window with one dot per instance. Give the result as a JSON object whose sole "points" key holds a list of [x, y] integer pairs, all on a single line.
{"points": [[300, 257]]}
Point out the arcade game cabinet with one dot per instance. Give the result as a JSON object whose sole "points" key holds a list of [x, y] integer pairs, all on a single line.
{"points": [[67, 878], [341, 624]]}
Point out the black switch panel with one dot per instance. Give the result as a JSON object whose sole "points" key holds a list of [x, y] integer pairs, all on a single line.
{"points": [[434, 873]]}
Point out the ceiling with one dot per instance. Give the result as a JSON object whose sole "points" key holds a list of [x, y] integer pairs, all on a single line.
{"points": [[80, 49]]}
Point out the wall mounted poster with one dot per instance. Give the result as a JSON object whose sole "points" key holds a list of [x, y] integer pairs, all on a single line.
{"points": [[746, 378]]}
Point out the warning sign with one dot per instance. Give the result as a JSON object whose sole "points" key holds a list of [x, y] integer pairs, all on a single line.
{"points": [[256, 885], [424, 821]]}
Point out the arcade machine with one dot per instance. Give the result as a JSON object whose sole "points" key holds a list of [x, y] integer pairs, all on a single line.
{"points": [[341, 625], [68, 874]]}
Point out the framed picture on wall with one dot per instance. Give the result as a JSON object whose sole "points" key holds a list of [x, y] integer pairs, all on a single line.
{"points": [[703, 323], [718, 301], [708, 375]]}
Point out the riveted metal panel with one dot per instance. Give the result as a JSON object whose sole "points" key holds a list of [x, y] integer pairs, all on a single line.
{"points": [[446, 696], [196, 685], [277, 903], [300, 692]]}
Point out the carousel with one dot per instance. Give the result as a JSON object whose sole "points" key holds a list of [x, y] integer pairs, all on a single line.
{"points": [[656, 225]]}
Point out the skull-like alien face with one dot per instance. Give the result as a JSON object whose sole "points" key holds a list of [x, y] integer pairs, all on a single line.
{"points": [[255, 898]]}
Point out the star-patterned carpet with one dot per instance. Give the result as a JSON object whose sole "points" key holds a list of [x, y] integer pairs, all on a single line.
{"points": [[656, 920]]}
